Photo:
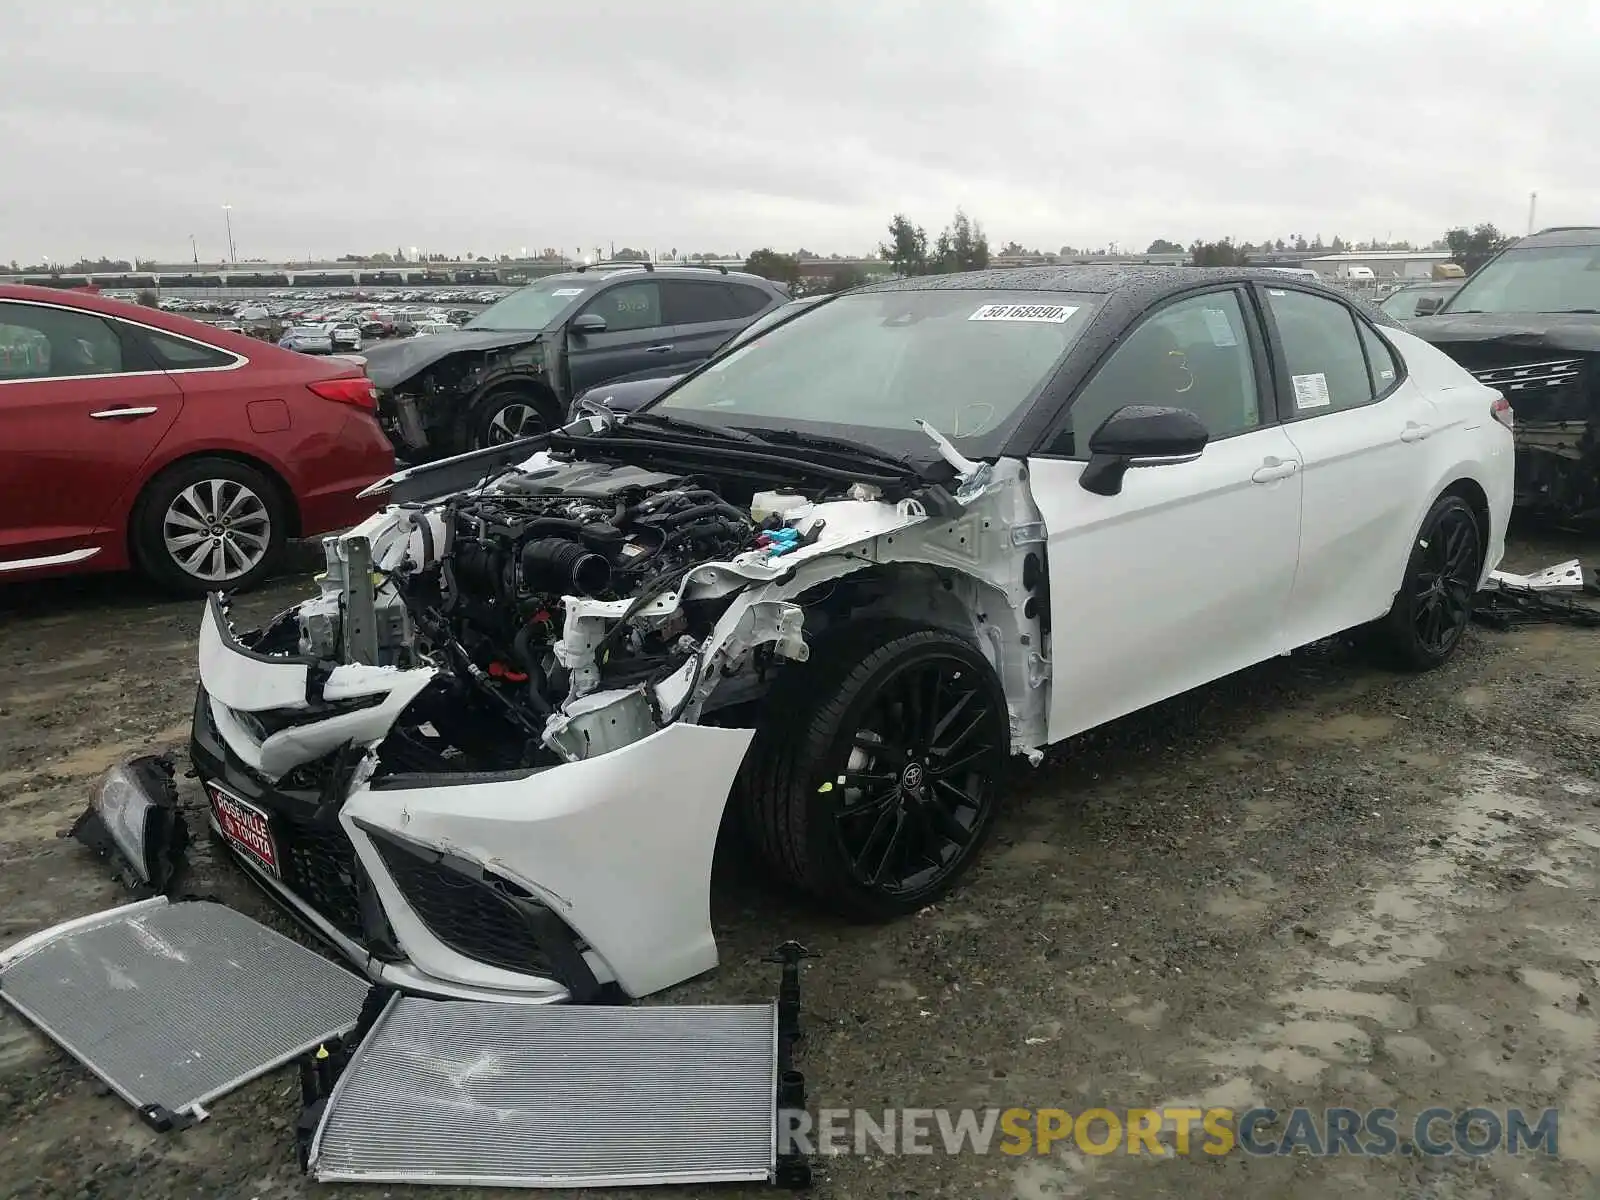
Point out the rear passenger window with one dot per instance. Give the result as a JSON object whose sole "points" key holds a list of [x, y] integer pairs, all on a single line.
{"points": [[1381, 362], [179, 354], [690, 302], [747, 300], [1327, 366]]}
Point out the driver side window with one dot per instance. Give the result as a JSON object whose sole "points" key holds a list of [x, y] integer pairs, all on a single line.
{"points": [[1192, 354]]}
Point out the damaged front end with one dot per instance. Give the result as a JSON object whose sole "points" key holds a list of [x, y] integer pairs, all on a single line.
{"points": [[430, 389], [491, 758], [1547, 366]]}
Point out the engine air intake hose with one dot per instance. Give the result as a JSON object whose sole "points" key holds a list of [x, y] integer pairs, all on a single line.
{"points": [[557, 565]]}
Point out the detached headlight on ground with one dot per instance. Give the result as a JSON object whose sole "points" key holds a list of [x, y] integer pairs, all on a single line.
{"points": [[133, 819]]}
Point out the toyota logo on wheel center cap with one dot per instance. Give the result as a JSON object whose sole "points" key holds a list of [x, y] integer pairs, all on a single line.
{"points": [[911, 777]]}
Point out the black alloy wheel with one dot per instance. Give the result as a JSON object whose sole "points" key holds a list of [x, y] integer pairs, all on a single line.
{"points": [[1442, 590], [876, 778], [915, 791], [1433, 606]]}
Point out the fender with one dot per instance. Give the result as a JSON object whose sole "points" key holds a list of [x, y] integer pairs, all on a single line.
{"points": [[519, 376]]}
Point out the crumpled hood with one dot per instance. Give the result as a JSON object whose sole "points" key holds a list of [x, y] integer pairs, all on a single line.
{"points": [[390, 364], [1577, 333]]}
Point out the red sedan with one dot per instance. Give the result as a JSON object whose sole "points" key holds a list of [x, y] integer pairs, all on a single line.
{"points": [[132, 437]]}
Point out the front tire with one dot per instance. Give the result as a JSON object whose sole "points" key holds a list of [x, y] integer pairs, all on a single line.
{"points": [[875, 782], [508, 415], [209, 524], [1433, 607]]}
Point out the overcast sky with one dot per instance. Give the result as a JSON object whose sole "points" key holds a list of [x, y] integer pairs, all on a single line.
{"points": [[725, 125]]}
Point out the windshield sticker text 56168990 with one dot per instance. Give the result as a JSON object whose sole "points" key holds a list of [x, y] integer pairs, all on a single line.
{"points": [[1054, 314]]}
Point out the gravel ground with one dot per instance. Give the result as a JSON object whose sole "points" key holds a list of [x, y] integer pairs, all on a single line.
{"points": [[1313, 884]]}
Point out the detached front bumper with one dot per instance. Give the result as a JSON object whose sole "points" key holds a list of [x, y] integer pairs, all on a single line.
{"points": [[532, 886]]}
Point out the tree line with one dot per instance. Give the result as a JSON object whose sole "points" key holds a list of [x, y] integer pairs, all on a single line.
{"points": [[1468, 248], [961, 246]]}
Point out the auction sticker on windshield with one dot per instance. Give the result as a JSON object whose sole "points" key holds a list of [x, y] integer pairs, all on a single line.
{"points": [[1054, 314]]}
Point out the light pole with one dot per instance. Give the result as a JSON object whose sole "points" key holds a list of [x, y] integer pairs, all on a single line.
{"points": [[194, 248], [227, 215]]}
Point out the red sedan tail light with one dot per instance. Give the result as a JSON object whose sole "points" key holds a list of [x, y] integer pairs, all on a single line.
{"points": [[359, 392], [1500, 410]]}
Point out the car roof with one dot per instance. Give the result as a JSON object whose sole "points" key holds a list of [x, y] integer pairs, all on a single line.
{"points": [[600, 271], [1132, 281], [1563, 235]]}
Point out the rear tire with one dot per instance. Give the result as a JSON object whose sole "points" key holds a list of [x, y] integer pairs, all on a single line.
{"points": [[875, 780], [209, 524], [1433, 607]]}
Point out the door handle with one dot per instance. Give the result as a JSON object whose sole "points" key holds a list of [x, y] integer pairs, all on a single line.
{"points": [[657, 349], [106, 414], [1274, 468], [1414, 432]]}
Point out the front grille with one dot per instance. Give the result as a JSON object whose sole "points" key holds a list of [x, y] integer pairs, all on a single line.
{"points": [[1536, 376], [1546, 392], [319, 865], [475, 915]]}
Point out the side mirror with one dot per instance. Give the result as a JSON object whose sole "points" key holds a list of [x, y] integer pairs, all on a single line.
{"points": [[587, 323], [1140, 436], [1427, 305]]}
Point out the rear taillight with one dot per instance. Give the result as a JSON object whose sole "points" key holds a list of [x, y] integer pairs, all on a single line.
{"points": [[359, 392], [1500, 410]]}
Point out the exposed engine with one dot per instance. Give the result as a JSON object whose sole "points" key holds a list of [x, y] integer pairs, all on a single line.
{"points": [[481, 591], [583, 530]]}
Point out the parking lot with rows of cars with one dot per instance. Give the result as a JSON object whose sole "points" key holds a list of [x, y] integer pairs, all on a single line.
{"points": [[375, 314]]}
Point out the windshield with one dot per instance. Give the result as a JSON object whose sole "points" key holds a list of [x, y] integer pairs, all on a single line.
{"points": [[530, 308], [1403, 304], [1538, 279], [765, 322], [873, 363]]}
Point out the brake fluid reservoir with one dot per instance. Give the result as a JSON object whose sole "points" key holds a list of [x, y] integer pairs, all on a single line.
{"points": [[782, 503]]}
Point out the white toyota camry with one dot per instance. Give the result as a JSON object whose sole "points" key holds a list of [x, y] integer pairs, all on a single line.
{"points": [[814, 595]]}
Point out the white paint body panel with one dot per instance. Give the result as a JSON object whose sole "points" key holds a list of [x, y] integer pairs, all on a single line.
{"points": [[269, 685], [1198, 569], [1372, 473], [618, 846], [1467, 442], [1182, 577]]}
